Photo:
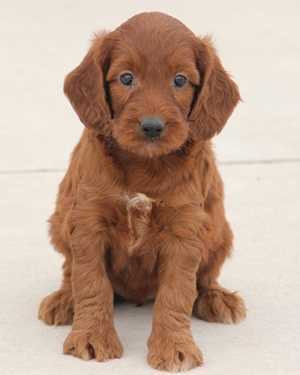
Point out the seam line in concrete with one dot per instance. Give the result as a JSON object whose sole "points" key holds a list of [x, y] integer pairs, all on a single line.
{"points": [[223, 163], [262, 161]]}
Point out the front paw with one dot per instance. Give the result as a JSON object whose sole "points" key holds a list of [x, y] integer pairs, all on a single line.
{"points": [[173, 352], [88, 344]]}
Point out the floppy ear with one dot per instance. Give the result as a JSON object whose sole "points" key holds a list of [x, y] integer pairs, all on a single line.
{"points": [[217, 95], [85, 86]]}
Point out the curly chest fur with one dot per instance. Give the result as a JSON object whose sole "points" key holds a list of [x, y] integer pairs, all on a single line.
{"points": [[139, 234], [132, 256]]}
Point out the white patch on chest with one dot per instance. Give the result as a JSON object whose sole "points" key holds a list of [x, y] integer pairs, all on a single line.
{"points": [[139, 208]]}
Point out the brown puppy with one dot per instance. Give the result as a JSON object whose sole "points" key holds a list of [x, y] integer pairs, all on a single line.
{"points": [[140, 211]]}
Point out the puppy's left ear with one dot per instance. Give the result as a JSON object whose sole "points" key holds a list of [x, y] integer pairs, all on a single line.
{"points": [[217, 95]]}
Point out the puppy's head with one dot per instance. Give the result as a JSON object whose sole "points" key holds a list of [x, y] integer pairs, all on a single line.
{"points": [[152, 85]]}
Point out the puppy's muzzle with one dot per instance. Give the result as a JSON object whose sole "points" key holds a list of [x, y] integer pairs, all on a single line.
{"points": [[152, 127]]}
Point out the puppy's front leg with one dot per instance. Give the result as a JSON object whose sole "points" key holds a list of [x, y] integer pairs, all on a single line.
{"points": [[93, 334], [171, 345]]}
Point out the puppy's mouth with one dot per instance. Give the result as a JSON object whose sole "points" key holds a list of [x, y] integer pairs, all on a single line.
{"points": [[147, 147]]}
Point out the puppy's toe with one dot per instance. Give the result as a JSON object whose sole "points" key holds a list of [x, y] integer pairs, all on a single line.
{"points": [[57, 308], [89, 344], [221, 306], [174, 353]]}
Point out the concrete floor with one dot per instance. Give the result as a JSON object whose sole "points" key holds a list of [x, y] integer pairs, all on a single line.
{"points": [[259, 158]]}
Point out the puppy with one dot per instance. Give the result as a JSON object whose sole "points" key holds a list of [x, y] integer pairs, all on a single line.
{"points": [[140, 213]]}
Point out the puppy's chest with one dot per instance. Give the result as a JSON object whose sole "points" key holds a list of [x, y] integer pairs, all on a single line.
{"points": [[132, 256]]}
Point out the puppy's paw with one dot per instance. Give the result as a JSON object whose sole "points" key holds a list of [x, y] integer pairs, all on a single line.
{"points": [[173, 353], [221, 306], [91, 344], [57, 308]]}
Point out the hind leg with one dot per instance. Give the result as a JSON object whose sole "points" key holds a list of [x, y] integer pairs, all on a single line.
{"points": [[57, 307], [215, 303]]}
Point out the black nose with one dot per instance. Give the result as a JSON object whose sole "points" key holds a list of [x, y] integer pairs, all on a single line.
{"points": [[152, 127]]}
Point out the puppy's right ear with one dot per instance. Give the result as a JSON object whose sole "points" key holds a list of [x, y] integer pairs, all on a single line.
{"points": [[85, 86]]}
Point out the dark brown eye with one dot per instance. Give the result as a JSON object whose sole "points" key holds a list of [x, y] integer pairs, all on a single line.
{"points": [[127, 79], [180, 80]]}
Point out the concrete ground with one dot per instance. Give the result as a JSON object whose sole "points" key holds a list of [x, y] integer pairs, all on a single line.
{"points": [[259, 158]]}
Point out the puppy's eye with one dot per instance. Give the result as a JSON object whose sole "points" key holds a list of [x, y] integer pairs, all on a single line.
{"points": [[127, 79], [180, 80]]}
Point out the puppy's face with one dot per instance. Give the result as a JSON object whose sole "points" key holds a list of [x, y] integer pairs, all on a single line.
{"points": [[152, 85], [151, 93]]}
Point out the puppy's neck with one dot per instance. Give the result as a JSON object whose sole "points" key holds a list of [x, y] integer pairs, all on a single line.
{"points": [[120, 155], [154, 176]]}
